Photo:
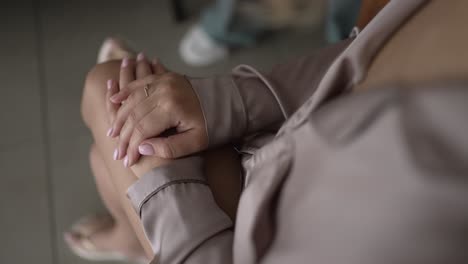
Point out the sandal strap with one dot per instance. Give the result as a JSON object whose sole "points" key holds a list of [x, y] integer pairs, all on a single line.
{"points": [[87, 244], [90, 225]]}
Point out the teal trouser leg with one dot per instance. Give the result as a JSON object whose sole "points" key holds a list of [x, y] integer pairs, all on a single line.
{"points": [[224, 23], [341, 18]]}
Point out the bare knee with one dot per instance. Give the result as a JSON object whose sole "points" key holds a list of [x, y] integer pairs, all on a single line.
{"points": [[94, 91], [93, 155]]}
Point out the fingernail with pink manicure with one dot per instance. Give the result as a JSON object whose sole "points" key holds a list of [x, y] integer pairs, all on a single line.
{"points": [[109, 132], [125, 62], [126, 161], [109, 84], [116, 154], [114, 98], [141, 56], [146, 149]]}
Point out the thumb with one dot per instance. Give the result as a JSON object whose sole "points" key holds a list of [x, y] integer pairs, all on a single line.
{"points": [[174, 146]]}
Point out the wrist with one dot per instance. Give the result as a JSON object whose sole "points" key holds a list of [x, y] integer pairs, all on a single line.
{"points": [[222, 107], [148, 163]]}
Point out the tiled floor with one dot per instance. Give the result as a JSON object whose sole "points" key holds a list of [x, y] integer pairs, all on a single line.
{"points": [[46, 48]]}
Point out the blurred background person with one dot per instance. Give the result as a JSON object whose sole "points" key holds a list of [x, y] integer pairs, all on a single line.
{"points": [[237, 24]]}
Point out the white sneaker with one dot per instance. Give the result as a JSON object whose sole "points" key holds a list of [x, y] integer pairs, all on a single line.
{"points": [[197, 48]]}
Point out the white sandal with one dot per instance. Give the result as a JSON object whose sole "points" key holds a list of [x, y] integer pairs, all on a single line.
{"points": [[83, 247], [114, 49]]}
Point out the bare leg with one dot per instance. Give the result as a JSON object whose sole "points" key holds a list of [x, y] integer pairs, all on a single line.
{"points": [[120, 236], [95, 117]]}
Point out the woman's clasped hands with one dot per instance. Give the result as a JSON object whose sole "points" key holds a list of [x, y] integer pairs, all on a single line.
{"points": [[153, 111]]}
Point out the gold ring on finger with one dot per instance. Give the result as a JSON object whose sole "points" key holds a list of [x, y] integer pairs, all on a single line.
{"points": [[146, 90]]}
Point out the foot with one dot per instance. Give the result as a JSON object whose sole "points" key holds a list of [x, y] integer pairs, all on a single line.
{"points": [[97, 238], [114, 49], [197, 48]]}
